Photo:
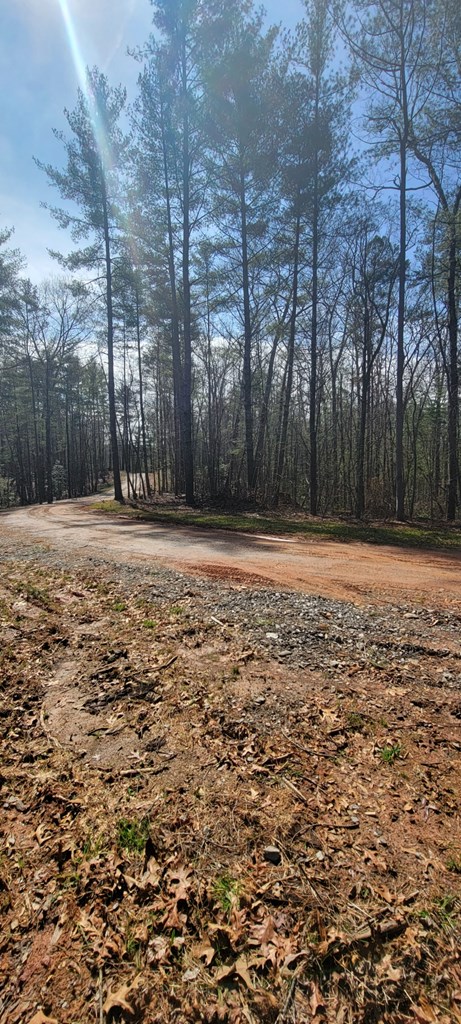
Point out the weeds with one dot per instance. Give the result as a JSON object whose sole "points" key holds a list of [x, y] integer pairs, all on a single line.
{"points": [[446, 909], [454, 864], [132, 835], [93, 845], [40, 595], [226, 891], [390, 752], [133, 950], [356, 722]]}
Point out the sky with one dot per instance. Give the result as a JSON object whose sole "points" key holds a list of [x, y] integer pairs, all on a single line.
{"points": [[39, 77]]}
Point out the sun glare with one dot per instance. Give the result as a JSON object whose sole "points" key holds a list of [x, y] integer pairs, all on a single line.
{"points": [[100, 136], [82, 76], [74, 45]]}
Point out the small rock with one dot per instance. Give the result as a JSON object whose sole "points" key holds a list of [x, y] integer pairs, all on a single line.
{"points": [[272, 636], [191, 974], [272, 854], [13, 801]]}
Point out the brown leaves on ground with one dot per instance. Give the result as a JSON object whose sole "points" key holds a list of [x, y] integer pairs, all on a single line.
{"points": [[126, 997], [142, 779]]}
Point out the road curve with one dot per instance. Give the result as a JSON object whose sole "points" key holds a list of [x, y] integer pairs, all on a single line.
{"points": [[359, 572]]}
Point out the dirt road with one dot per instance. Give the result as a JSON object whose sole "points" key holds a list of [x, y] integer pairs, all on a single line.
{"points": [[354, 571]]}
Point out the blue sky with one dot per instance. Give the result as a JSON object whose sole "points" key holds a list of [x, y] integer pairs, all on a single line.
{"points": [[38, 78]]}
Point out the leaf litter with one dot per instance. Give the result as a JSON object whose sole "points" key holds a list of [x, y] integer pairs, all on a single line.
{"points": [[152, 754]]}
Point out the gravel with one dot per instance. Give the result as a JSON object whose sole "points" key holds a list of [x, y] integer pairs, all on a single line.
{"points": [[297, 629]]}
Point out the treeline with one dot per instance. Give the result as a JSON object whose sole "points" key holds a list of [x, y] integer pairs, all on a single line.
{"points": [[262, 301]]}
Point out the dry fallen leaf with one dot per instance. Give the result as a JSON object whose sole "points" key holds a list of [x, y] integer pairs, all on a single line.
{"points": [[204, 951], [181, 879], [316, 1001], [239, 968], [264, 932], [424, 1012], [161, 947], [41, 1018], [119, 999]]}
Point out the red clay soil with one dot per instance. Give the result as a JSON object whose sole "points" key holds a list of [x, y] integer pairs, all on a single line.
{"points": [[192, 833], [358, 572]]}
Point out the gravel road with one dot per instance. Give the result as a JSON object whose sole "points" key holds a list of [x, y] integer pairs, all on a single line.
{"points": [[363, 573], [310, 631]]}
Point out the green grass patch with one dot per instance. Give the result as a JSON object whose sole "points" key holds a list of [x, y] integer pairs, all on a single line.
{"points": [[409, 535], [132, 835], [454, 864], [226, 891], [93, 845], [355, 722], [390, 752], [38, 595]]}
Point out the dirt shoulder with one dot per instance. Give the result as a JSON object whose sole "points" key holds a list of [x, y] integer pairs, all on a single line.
{"points": [[221, 802]]}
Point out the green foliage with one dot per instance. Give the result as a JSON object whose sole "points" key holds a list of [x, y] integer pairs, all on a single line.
{"points": [[132, 835], [447, 907], [226, 891], [133, 949], [390, 752], [356, 722], [454, 864], [38, 594], [93, 845]]}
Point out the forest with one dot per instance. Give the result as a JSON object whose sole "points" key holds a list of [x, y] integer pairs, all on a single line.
{"points": [[261, 301]]}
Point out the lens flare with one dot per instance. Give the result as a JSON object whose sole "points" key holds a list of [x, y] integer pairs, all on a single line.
{"points": [[84, 82], [99, 133], [74, 45]]}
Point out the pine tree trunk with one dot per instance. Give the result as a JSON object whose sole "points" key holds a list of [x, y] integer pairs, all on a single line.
{"points": [[290, 362], [399, 409], [187, 326], [247, 378], [313, 469], [110, 352], [175, 340], [453, 376]]}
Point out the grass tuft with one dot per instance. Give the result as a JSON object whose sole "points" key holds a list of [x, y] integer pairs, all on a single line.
{"points": [[226, 891], [390, 752], [132, 835]]}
